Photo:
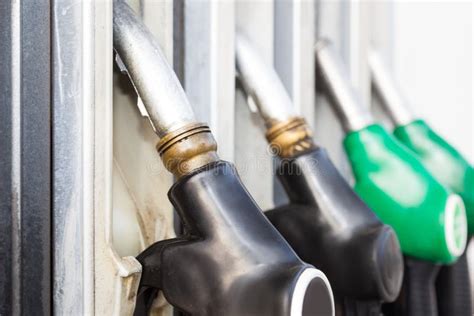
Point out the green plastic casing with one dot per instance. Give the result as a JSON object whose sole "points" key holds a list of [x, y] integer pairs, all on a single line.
{"points": [[443, 161], [429, 220]]}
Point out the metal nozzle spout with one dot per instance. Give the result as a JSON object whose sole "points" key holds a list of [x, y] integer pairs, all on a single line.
{"points": [[261, 82], [286, 131], [185, 144], [345, 100], [151, 74], [393, 101]]}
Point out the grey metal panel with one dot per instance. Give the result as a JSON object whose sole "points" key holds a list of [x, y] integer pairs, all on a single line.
{"points": [[68, 146], [209, 71], [294, 39], [294, 58], [5, 161], [35, 158], [179, 39], [26, 161]]}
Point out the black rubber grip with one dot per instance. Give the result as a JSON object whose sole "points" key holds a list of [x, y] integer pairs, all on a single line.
{"points": [[329, 226], [362, 308], [418, 294], [230, 260], [454, 289]]}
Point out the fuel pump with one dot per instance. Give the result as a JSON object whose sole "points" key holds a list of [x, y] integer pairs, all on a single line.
{"points": [[429, 220], [446, 164], [326, 223], [229, 260]]}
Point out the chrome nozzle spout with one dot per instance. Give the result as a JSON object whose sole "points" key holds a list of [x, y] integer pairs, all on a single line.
{"points": [[286, 131], [261, 82], [185, 144], [346, 102], [393, 101], [152, 76]]}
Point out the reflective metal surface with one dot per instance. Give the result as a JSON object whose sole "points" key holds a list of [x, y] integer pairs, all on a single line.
{"points": [[25, 162], [89, 277], [261, 82], [6, 174], [70, 187], [393, 101], [151, 74], [346, 101], [206, 43], [293, 53]]}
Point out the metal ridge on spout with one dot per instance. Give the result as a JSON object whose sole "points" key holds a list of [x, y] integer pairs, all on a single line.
{"points": [[287, 133]]}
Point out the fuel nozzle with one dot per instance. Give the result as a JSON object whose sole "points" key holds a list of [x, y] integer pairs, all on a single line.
{"points": [[325, 222], [429, 220], [229, 260], [445, 163]]}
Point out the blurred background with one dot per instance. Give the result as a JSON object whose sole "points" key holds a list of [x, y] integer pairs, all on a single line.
{"points": [[432, 57]]}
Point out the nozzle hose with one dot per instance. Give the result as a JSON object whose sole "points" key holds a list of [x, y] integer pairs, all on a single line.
{"points": [[393, 101], [346, 102], [453, 289]]}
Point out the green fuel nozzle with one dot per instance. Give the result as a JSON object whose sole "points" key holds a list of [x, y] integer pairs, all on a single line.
{"points": [[429, 220], [442, 160]]}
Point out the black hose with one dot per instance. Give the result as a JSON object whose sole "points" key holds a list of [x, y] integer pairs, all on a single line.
{"points": [[418, 294], [361, 308], [453, 289]]}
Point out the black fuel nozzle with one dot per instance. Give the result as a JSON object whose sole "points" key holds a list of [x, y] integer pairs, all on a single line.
{"points": [[328, 225], [326, 222], [230, 260]]}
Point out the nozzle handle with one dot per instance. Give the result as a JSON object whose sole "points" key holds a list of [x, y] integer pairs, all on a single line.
{"points": [[332, 77], [230, 260], [393, 101]]}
